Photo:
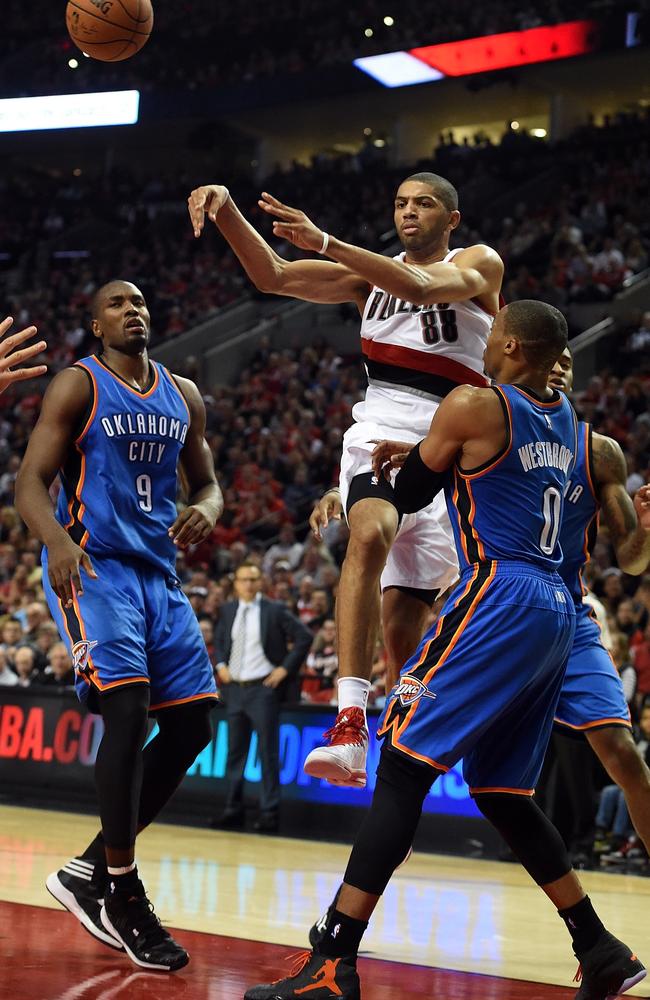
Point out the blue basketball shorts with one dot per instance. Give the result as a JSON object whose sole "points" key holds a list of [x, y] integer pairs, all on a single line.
{"points": [[484, 682], [133, 624], [592, 695]]}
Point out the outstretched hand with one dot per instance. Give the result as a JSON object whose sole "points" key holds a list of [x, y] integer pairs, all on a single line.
{"points": [[329, 506], [292, 224], [389, 455], [206, 200], [10, 357]]}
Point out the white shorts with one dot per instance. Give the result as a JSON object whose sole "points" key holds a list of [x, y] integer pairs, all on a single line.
{"points": [[423, 555]]}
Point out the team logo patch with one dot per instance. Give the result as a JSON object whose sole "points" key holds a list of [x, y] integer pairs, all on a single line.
{"points": [[410, 689], [81, 654]]}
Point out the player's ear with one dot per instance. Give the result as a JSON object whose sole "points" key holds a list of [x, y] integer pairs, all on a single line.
{"points": [[94, 326], [510, 346], [454, 220]]}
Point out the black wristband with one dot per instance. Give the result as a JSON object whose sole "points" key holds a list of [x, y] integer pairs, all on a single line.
{"points": [[416, 484]]}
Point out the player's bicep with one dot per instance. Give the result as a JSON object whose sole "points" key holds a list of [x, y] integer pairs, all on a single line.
{"points": [[64, 406], [321, 281], [452, 425], [196, 459]]}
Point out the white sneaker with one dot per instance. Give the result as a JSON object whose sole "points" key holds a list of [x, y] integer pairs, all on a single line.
{"points": [[343, 760]]}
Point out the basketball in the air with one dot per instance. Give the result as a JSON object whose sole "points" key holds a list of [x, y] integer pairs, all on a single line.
{"points": [[109, 30]]}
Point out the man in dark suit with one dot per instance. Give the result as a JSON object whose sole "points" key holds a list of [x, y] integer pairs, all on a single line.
{"points": [[254, 662]]}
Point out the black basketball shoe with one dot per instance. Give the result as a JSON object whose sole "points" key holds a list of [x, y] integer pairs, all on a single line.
{"points": [[79, 886], [130, 918], [608, 970], [314, 976]]}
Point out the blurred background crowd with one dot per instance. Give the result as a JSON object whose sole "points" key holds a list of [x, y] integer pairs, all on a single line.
{"points": [[569, 214]]}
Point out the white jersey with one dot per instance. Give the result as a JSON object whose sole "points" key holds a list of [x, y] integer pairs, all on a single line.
{"points": [[415, 355]]}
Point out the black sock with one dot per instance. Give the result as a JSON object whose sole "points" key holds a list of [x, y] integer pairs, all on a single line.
{"points": [[584, 925], [342, 935], [127, 883], [96, 851]]}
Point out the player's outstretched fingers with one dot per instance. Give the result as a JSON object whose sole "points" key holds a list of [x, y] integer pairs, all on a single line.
{"points": [[6, 325], [18, 357], [196, 204], [272, 206]]}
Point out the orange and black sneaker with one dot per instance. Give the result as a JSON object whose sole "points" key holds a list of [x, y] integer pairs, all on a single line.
{"points": [[315, 977], [608, 970]]}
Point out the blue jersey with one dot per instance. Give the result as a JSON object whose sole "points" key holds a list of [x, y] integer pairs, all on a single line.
{"points": [[580, 517], [511, 508], [119, 482]]}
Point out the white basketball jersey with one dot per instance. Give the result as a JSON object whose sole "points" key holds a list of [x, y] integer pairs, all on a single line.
{"points": [[415, 355]]}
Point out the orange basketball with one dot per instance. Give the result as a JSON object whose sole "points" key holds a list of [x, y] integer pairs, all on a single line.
{"points": [[109, 30]]}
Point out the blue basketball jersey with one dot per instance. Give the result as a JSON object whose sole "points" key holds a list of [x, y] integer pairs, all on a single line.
{"points": [[119, 483], [580, 517], [511, 508]]}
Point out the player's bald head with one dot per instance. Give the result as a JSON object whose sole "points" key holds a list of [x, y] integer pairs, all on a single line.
{"points": [[443, 189], [118, 286]]}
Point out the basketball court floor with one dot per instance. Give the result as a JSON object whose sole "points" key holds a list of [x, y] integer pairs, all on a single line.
{"points": [[448, 928]]}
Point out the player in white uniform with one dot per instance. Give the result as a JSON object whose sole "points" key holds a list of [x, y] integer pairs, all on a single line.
{"points": [[426, 315]]}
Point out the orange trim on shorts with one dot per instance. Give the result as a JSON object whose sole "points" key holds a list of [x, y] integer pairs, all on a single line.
{"points": [[505, 791], [185, 701], [463, 625], [398, 729], [592, 725]]}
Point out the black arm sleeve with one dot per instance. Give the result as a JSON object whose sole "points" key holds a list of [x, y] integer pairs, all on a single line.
{"points": [[416, 484]]}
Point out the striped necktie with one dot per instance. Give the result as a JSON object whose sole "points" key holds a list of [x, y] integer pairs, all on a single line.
{"points": [[239, 644]]}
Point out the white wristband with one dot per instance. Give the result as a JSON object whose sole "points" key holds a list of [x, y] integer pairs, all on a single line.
{"points": [[326, 243]]}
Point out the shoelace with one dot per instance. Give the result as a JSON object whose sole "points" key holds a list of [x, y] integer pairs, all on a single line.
{"points": [[151, 930], [346, 731], [578, 976], [300, 960]]}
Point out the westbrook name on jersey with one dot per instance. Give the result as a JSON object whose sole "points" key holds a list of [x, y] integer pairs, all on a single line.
{"points": [[118, 495]]}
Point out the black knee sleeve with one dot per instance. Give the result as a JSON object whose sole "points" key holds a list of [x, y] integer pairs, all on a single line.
{"points": [[118, 768], [528, 833], [387, 832], [184, 730]]}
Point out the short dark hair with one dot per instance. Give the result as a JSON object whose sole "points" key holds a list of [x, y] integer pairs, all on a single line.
{"points": [[247, 564], [443, 188], [540, 328]]}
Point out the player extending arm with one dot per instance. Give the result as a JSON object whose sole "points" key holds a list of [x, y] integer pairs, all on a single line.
{"points": [[9, 356], [474, 273], [426, 316]]}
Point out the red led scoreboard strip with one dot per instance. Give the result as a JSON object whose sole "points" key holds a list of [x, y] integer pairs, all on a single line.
{"points": [[482, 55], [513, 48]]}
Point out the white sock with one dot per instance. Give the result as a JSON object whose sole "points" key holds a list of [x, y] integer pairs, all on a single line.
{"points": [[353, 693], [122, 871]]}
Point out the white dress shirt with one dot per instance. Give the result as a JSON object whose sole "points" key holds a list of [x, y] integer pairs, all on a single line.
{"points": [[254, 664]]}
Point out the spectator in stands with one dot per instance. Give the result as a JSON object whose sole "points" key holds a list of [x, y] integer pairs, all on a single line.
{"points": [[641, 664], [320, 609], [207, 631], [321, 669], [621, 656], [25, 666], [59, 672], [8, 677], [12, 638], [35, 615], [286, 549]]}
